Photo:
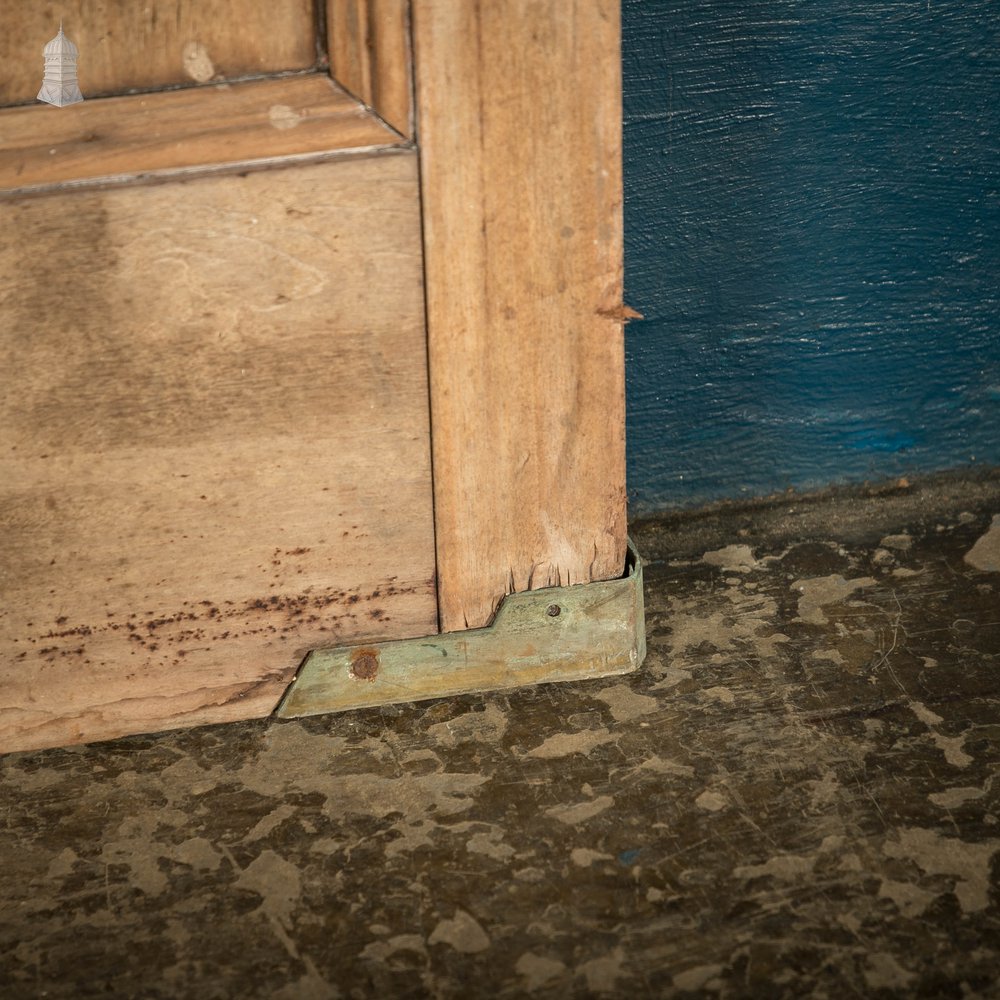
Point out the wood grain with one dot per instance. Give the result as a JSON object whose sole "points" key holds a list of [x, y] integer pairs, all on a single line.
{"points": [[154, 134], [519, 108], [214, 445], [369, 46], [144, 46]]}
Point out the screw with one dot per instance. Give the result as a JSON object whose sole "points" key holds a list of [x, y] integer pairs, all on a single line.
{"points": [[364, 664], [553, 611]]}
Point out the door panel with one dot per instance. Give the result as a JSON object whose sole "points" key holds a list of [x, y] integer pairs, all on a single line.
{"points": [[121, 139], [214, 443], [128, 46], [214, 434]]}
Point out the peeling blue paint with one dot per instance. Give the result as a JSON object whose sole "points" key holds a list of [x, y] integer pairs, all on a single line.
{"points": [[813, 235]]}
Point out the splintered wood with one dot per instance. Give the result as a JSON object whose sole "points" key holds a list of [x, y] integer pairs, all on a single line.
{"points": [[519, 116]]}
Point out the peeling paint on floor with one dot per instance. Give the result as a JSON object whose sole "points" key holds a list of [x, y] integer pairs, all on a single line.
{"points": [[796, 795], [985, 554]]}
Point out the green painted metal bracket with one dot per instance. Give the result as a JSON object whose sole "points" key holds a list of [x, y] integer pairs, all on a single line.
{"points": [[557, 634]]}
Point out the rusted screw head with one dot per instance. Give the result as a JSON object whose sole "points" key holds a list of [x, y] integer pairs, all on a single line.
{"points": [[553, 611], [364, 664]]}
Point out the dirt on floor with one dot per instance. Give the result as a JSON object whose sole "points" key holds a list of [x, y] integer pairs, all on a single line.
{"points": [[797, 794]]}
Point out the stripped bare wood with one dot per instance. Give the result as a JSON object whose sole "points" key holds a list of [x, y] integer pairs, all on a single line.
{"points": [[519, 111], [369, 45], [181, 129], [145, 46], [214, 444]]}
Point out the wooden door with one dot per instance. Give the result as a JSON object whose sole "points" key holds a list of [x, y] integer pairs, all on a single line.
{"points": [[215, 427]]}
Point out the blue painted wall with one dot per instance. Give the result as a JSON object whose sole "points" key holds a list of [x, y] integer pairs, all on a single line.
{"points": [[812, 215]]}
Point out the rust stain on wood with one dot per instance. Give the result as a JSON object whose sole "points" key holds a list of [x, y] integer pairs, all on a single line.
{"points": [[189, 502]]}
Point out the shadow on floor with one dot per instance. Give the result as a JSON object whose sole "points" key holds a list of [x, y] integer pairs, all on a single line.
{"points": [[797, 794]]}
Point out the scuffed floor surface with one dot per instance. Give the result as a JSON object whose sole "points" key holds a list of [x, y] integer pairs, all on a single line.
{"points": [[797, 795]]}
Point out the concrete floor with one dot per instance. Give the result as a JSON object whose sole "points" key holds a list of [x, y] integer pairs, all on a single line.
{"points": [[796, 795]]}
